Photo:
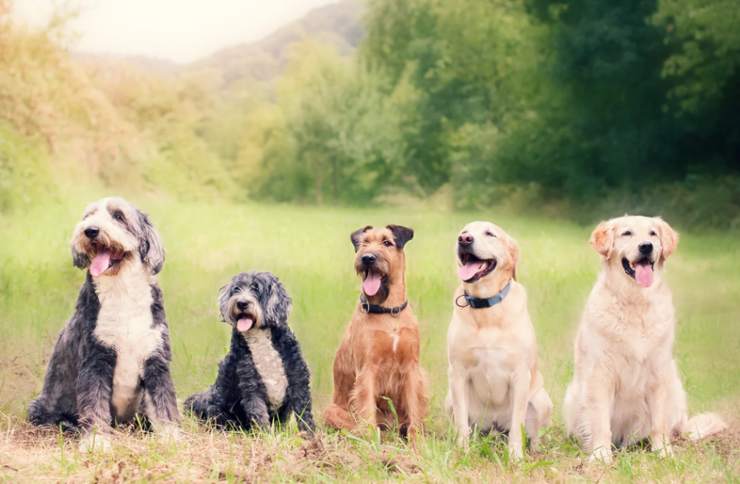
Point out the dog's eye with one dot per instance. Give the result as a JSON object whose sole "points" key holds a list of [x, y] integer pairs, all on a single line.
{"points": [[254, 287], [652, 233], [626, 233], [490, 234], [236, 290], [388, 243], [118, 215]]}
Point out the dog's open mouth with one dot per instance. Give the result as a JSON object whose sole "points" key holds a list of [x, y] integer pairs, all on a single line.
{"points": [[641, 270], [244, 322], [371, 282], [106, 260], [472, 268]]}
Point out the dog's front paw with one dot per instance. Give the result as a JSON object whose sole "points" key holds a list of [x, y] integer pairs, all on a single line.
{"points": [[94, 442], [664, 451], [515, 452], [601, 454], [463, 440], [170, 433]]}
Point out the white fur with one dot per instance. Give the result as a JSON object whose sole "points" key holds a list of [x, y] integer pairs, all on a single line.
{"points": [[269, 365], [125, 324]]}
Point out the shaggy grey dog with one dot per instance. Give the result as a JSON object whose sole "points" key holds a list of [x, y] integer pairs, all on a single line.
{"points": [[111, 361], [263, 378]]}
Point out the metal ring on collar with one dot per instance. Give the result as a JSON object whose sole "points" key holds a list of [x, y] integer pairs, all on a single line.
{"points": [[457, 303]]}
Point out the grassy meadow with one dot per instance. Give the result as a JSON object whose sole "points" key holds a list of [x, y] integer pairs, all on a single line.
{"points": [[309, 249]]}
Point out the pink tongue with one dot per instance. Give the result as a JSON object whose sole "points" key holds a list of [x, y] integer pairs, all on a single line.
{"points": [[100, 263], [468, 270], [371, 284], [644, 274], [244, 324]]}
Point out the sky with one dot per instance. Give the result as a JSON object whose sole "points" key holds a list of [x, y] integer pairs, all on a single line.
{"points": [[176, 30]]}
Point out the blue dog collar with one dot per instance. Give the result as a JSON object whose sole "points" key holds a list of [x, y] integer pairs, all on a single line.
{"points": [[480, 303]]}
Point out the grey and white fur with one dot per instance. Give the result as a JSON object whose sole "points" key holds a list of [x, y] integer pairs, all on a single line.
{"points": [[110, 363], [264, 378]]}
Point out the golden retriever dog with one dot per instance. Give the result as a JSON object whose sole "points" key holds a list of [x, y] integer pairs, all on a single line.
{"points": [[377, 377], [626, 386], [494, 383]]}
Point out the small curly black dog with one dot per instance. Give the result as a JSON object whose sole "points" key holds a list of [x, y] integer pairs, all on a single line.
{"points": [[264, 378]]}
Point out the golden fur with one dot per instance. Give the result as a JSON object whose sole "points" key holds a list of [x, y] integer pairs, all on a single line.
{"points": [[494, 382], [378, 358], [626, 385]]}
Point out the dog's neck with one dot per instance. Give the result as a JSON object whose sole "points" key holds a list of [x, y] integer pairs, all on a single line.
{"points": [[133, 278], [489, 286]]}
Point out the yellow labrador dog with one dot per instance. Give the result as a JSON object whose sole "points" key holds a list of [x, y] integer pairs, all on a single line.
{"points": [[494, 383], [626, 385]]}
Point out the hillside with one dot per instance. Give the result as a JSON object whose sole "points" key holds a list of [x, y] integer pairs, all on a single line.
{"points": [[337, 24]]}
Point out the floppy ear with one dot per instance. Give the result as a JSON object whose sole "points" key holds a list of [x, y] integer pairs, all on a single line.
{"points": [[355, 236], [401, 234], [668, 238], [513, 248], [602, 238], [150, 245], [278, 302]]}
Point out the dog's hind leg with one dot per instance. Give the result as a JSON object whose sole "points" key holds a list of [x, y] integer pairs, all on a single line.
{"points": [[539, 411], [337, 414], [338, 417], [198, 404]]}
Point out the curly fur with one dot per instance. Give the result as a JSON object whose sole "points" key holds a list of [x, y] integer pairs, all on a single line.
{"points": [[242, 397]]}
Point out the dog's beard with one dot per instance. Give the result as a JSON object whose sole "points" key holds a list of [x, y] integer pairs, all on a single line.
{"points": [[244, 320], [105, 258]]}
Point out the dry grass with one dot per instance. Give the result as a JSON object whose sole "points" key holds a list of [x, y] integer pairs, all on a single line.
{"points": [[206, 455]]}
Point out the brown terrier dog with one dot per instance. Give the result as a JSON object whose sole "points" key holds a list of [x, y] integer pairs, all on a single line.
{"points": [[377, 377]]}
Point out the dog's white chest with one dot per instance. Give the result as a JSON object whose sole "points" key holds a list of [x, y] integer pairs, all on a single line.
{"points": [[491, 375], [125, 324], [269, 365]]}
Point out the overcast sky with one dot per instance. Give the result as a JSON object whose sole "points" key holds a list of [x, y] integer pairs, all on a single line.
{"points": [[178, 30]]}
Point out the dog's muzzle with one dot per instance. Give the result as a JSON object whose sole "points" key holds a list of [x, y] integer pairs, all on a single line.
{"points": [[472, 268]]}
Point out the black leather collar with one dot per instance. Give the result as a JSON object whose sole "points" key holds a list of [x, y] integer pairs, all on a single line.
{"points": [[480, 303], [377, 309]]}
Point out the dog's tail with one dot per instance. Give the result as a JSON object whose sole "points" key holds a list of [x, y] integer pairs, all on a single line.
{"points": [[703, 425]]}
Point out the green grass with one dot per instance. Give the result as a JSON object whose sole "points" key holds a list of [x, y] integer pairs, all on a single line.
{"points": [[309, 249]]}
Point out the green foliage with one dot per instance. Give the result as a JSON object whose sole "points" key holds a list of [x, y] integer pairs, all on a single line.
{"points": [[340, 136], [568, 99], [24, 173], [566, 104]]}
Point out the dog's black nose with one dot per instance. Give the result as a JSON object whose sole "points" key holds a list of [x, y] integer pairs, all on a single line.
{"points": [[241, 305], [92, 232], [645, 248], [465, 239], [368, 259]]}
